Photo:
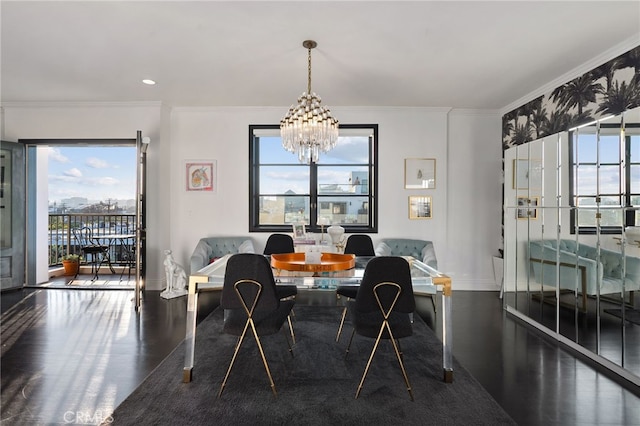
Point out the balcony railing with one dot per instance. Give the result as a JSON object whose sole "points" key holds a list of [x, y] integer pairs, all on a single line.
{"points": [[62, 241]]}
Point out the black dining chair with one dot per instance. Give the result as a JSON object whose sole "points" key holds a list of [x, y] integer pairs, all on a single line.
{"points": [[279, 244], [383, 308], [250, 302], [360, 245], [92, 251]]}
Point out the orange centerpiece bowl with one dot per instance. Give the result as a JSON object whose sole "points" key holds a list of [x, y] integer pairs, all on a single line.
{"points": [[329, 262]]}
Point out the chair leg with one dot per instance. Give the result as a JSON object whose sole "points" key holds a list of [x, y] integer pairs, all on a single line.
{"points": [[344, 314], [264, 359], [104, 255], [293, 336], [94, 267], [366, 369], [288, 344], [128, 265], [349, 345], [404, 372], [291, 314], [233, 358], [399, 348]]}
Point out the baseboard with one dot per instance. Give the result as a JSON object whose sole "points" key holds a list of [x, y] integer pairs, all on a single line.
{"points": [[154, 284]]}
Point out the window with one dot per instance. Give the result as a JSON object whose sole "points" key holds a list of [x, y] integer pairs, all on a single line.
{"points": [[340, 189], [605, 178]]}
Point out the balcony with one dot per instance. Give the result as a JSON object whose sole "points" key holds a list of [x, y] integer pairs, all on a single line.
{"points": [[62, 241]]}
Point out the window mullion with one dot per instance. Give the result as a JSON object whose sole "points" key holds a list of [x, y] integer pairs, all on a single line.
{"points": [[629, 215], [313, 196]]}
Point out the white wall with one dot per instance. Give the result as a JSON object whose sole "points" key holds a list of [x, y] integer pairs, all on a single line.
{"points": [[42, 217], [474, 194], [465, 227]]}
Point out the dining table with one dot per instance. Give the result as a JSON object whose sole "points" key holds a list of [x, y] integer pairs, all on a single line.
{"points": [[426, 281]]}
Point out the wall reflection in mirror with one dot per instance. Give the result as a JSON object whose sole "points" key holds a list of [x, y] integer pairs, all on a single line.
{"points": [[572, 237]]}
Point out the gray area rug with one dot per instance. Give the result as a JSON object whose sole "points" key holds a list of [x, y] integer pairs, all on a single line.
{"points": [[315, 387]]}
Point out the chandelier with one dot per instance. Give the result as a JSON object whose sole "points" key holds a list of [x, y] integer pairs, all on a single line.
{"points": [[308, 128]]}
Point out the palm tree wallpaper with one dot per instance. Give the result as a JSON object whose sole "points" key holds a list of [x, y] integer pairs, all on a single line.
{"points": [[609, 89]]}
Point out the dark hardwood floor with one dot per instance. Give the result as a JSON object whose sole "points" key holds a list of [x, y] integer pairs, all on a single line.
{"points": [[72, 355]]}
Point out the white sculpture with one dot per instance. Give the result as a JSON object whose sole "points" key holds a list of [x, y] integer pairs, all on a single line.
{"points": [[176, 278], [336, 232]]}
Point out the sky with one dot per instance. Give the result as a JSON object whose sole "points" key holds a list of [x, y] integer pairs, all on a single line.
{"points": [[277, 179], [609, 174], [95, 173]]}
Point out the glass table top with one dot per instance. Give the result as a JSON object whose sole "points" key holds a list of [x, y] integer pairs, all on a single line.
{"points": [[212, 276]]}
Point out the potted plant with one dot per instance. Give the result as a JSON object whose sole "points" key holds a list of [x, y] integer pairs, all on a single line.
{"points": [[71, 263]]}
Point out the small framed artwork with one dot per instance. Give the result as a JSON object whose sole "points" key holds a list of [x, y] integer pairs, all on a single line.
{"points": [[420, 207], [298, 231], [524, 207], [419, 173], [527, 174], [200, 175]]}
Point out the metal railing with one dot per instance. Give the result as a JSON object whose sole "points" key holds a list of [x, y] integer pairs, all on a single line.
{"points": [[62, 241]]}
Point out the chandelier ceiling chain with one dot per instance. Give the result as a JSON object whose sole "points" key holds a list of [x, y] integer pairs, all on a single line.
{"points": [[308, 128], [309, 46]]}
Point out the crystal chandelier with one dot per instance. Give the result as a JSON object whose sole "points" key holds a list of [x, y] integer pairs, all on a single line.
{"points": [[308, 128]]}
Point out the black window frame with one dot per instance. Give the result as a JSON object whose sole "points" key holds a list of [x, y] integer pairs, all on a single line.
{"points": [[254, 186], [626, 195]]}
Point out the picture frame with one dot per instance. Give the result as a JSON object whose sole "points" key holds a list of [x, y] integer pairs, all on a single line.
{"points": [[527, 174], [419, 173], [524, 210], [200, 175], [298, 230], [420, 207]]}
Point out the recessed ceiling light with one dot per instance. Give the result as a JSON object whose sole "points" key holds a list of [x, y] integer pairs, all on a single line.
{"points": [[148, 81]]}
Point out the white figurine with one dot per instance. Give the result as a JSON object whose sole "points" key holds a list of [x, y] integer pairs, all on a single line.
{"points": [[176, 278]]}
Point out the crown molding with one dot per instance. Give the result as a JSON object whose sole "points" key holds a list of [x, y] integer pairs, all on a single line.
{"points": [[476, 111], [41, 104]]}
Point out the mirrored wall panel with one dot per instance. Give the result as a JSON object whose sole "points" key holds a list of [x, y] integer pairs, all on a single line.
{"points": [[572, 236]]}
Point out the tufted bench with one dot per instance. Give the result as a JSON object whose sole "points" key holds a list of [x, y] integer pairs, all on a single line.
{"points": [[211, 248], [419, 249], [605, 275]]}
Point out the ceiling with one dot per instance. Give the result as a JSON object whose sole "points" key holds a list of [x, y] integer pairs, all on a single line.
{"points": [[474, 54]]}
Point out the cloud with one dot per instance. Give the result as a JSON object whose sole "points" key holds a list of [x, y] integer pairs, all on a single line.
{"points": [[62, 178], [106, 181], [297, 175], [56, 155], [74, 172], [349, 149], [100, 181], [96, 163]]}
